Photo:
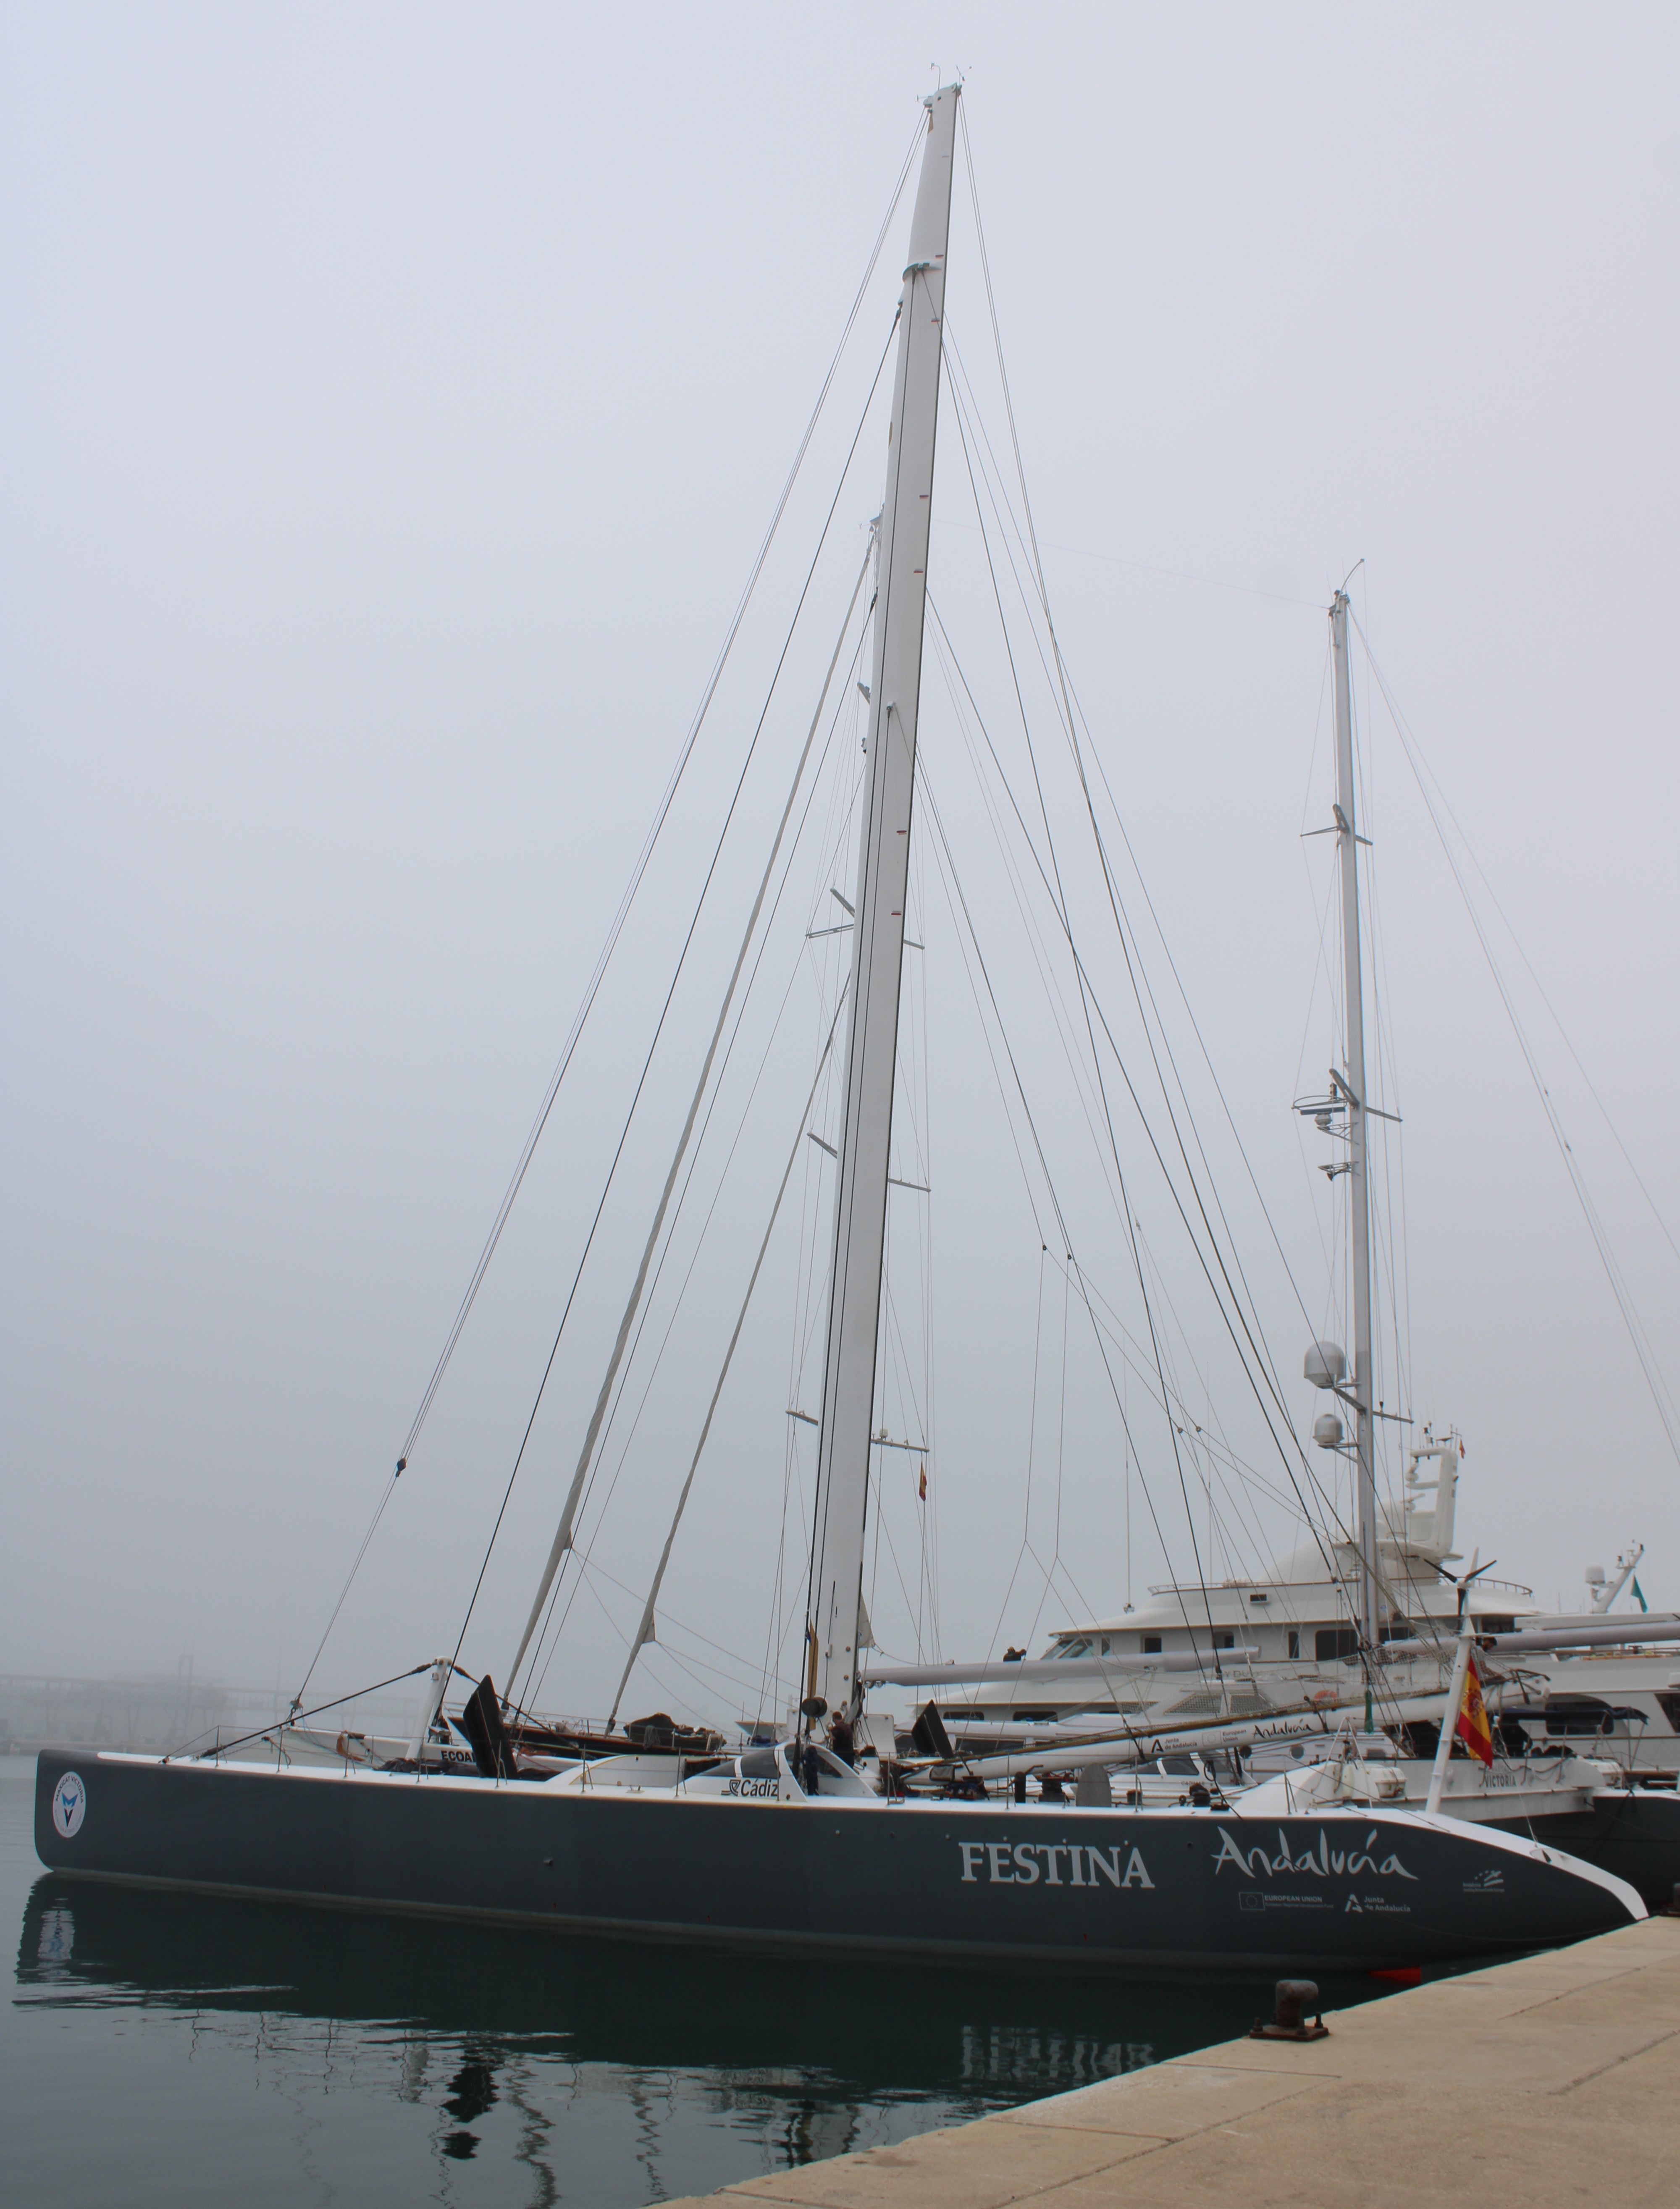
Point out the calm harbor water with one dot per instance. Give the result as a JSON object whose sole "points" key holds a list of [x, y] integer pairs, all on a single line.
{"points": [[184, 2049]]}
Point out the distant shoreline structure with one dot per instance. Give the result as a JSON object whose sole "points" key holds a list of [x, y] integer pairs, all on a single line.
{"points": [[157, 1712]]}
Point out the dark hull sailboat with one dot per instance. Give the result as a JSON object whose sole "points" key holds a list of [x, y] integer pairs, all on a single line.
{"points": [[791, 1847], [1633, 1833], [1346, 1889]]}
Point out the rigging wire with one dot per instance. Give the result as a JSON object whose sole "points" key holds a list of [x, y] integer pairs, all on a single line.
{"points": [[1195, 1430], [294, 1716], [616, 929], [1032, 1433], [1267, 1370], [539, 1664], [955, 880], [953, 884], [1043, 960], [705, 1126], [1060, 902], [1135, 1359], [645, 1631], [563, 1536], [385, 1494], [1642, 1347], [1062, 680], [652, 837], [1308, 1515], [825, 965], [1136, 973]]}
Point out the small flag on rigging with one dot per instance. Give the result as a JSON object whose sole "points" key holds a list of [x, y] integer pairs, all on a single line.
{"points": [[1639, 1594], [1472, 1728], [922, 1486]]}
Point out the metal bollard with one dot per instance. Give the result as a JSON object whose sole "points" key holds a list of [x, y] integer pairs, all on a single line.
{"points": [[1294, 1998]]}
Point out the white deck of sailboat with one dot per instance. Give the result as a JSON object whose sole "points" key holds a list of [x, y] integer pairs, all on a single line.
{"points": [[1264, 1804]]}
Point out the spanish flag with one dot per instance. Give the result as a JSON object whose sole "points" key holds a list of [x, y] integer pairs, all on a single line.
{"points": [[922, 1486], [1472, 1728]]}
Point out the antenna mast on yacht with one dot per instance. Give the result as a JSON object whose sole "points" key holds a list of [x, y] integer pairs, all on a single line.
{"points": [[833, 1633], [1358, 1183]]}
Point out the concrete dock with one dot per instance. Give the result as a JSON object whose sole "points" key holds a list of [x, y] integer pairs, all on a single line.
{"points": [[1555, 2078]]}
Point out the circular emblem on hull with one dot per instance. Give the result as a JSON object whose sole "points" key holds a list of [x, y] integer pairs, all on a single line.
{"points": [[69, 1804]]}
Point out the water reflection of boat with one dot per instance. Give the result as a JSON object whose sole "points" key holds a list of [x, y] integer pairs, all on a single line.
{"points": [[785, 2028]]}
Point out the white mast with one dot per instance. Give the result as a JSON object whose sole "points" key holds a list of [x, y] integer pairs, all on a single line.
{"points": [[877, 949], [1359, 1181]]}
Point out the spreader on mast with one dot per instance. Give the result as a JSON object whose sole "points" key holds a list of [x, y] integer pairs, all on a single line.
{"points": [[877, 953]]}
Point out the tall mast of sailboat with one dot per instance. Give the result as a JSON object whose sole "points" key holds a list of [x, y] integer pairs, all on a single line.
{"points": [[877, 943], [1359, 1180]]}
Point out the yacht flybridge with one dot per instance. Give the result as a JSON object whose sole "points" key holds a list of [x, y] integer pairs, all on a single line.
{"points": [[797, 1841], [1239, 1647]]}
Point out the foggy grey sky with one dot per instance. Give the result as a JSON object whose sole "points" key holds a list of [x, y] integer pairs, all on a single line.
{"points": [[394, 402]]}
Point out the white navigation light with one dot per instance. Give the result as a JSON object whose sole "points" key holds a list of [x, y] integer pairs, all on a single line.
{"points": [[1324, 1364], [1327, 1430]]}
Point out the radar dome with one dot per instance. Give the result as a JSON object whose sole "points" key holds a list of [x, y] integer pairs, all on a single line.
{"points": [[1324, 1364]]}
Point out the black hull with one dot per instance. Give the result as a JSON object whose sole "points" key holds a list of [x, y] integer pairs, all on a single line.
{"points": [[1635, 1837], [1345, 1890]]}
